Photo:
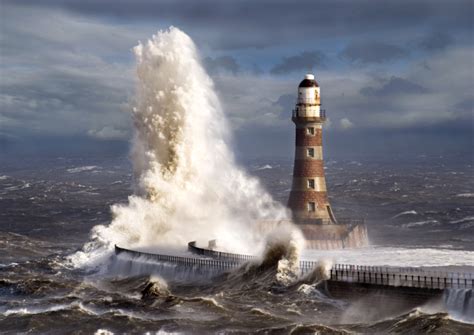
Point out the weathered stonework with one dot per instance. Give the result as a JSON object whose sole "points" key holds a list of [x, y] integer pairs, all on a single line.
{"points": [[325, 236], [299, 199], [302, 139], [308, 168], [332, 236]]}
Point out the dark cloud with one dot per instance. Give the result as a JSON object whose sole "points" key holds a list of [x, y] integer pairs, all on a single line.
{"points": [[255, 24], [466, 105], [256, 70], [59, 81], [436, 41], [66, 66], [221, 64], [372, 52], [394, 86], [264, 141], [287, 103], [305, 61], [63, 103]]}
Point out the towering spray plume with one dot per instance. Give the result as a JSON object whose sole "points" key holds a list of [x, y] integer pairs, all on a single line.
{"points": [[187, 184]]}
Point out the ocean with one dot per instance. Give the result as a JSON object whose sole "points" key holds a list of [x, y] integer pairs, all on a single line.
{"points": [[62, 214], [419, 213]]}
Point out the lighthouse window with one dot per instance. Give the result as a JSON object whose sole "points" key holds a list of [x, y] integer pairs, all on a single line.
{"points": [[311, 183], [311, 206], [310, 131], [310, 152]]}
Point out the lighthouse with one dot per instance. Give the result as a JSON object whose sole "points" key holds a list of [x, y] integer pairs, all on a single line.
{"points": [[308, 199]]}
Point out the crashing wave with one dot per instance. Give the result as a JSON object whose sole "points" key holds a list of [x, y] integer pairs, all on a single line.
{"points": [[187, 184]]}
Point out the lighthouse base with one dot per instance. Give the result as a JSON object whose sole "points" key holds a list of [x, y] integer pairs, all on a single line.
{"points": [[335, 236], [346, 234]]}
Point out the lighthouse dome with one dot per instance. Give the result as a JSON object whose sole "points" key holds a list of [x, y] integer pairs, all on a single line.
{"points": [[308, 81]]}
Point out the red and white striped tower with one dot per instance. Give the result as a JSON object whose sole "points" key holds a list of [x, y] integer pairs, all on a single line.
{"points": [[308, 199]]}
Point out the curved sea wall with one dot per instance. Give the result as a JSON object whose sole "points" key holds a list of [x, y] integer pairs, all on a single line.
{"points": [[398, 287]]}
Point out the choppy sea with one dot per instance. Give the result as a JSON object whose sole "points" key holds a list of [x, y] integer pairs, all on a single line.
{"points": [[419, 212]]}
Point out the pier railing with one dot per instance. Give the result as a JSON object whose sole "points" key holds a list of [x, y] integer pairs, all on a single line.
{"points": [[218, 254], [187, 261], [375, 275], [401, 276]]}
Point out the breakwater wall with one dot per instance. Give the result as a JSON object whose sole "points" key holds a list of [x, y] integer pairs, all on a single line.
{"points": [[377, 275], [179, 260], [348, 273], [378, 293], [321, 234], [399, 287]]}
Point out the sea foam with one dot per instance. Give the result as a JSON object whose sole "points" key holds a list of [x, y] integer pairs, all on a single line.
{"points": [[187, 185]]}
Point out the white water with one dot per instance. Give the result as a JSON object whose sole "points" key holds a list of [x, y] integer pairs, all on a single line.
{"points": [[187, 185], [460, 304], [82, 168], [292, 242], [126, 266], [412, 212], [402, 257]]}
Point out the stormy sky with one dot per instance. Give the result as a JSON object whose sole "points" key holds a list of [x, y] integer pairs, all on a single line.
{"points": [[395, 76]]}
